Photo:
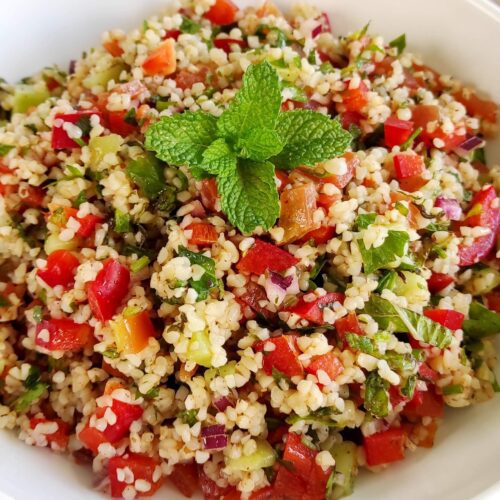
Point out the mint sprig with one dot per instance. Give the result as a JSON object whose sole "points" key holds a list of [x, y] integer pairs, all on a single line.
{"points": [[242, 147]]}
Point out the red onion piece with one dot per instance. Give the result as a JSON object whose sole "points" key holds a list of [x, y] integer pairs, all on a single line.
{"points": [[213, 430], [317, 31], [325, 21], [469, 145], [282, 281], [222, 403], [72, 66], [450, 207], [216, 442]]}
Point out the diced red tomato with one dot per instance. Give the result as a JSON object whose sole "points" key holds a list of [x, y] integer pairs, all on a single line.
{"points": [[60, 268], [449, 141], [493, 301], [408, 165], [296, 213], [60, 437], [349, 118], [284, 357], [142, 467], [108, 290], [321, 235], [209, 194], [413, 183], [174, 34], [60, 138], [384, 447], [313, 311], [209, 488], [263, 256], [446, 317], [354, 100], [414, 214], [329, 363], [397, 131], [425, 404], [276, 435], [226, 44], [348, 324], [396, 397], [132, 332], [32, 196], [288, 485], [203, 234], [484, 212], [161, 61], [63, 335], [117, 124], [222, 12], [113, 47], [341, 181], [486, 110], [253, 297], [87, 222], [126, 414], [430, 430], [185, 478], [326, 201], [186, 79], [427, 373], [283, 178], [266, 493], [438, 282]]}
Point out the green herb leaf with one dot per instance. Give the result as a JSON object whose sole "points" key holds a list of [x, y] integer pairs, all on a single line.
{"points": [[255, 106], [394, 318], [5, 148], [218, 157], [364, 220], [139, 264], [249, 196], [189, 417], [409, 388], [166, 200], [279, 376], [294, 93], [24, 401], [435, 226], [81, 198], [453, 389], [309, 138], [361, 343], [33, 377], [482, 322], [409, 142], [4, 301], [182, 139], [37, 314], [122, 222], [130, 117], [147, 173], [394, 246], [376, 395], [83, 123], [189, 26], [259, 144], [387, 281], [399, 43], [111, 353]]}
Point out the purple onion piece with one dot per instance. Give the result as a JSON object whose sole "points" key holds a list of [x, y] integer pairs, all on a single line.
{"points": [[216, 442], [325, 21], [213, 430], [317, 31], [282, 281], [72, 66], [468, 145], [450, 207], [222, 403]]}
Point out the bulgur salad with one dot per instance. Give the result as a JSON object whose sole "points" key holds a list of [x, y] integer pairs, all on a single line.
{"points": [[242, 255]]}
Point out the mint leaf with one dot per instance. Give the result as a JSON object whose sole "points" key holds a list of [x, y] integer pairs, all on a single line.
{"points": [[255, 106], [218, 157], [376, 395], [25, 400], [147, 172], [399, 43], [249, 196], [182, 139], [364, 220], [259, 144], [393, 246], [397, 319], [309, 138], [482, 322]]}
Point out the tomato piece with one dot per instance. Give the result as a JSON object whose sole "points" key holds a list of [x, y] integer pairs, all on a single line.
{"points": [[299, 455], [396, 131], [161, 61], [276, 435], [288, 485], [430, 430], [341, 181], [354, 100], [493, 301], [427, 373], [185, 478], [349, 118], [284, 357], [320, 236], [209, 194], [174, 34], [396, 397], [283, 178], [63, 335], [484, 109], [32, 196], [60, 437], [326, 201], [422, 115], [60, 138], [328, 362], [117, 124], [446, 317], [186, 79], [222, 12], [113, 47], [408, 165], [132, 332], [425, 404], [413, 183], [107, 291], [313, 311], [203, 234], [348, 324], [438, 282], [384, 447], [226, 44], [142, 467], [263, 256], [265, 493], [253, 297], [296, 213], [60, 269], [209, 488]]}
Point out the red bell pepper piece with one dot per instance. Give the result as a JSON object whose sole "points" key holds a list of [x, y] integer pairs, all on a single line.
{"points": [[60, 268], [396, 131], [117, 124], [60, 138], [226, 43], [354, 100], [320, 236], [209, 194], [341, 181], [142, 467], [284, 357], [408, 165], [313, 311], [384, 447], [185, 478], [203, 234], [64, 335], [438, 282], [110, 287], [263, 256], [328, 362], [87, 222], [288, 484], [446, 317], [222, 12], [60, 437], [425, 404]]}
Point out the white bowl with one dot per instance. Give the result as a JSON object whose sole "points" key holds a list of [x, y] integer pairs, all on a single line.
{"points": [[458, 37]]}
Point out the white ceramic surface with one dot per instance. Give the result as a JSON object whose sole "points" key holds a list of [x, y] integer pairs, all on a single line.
{"points": [[460, 37]]}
